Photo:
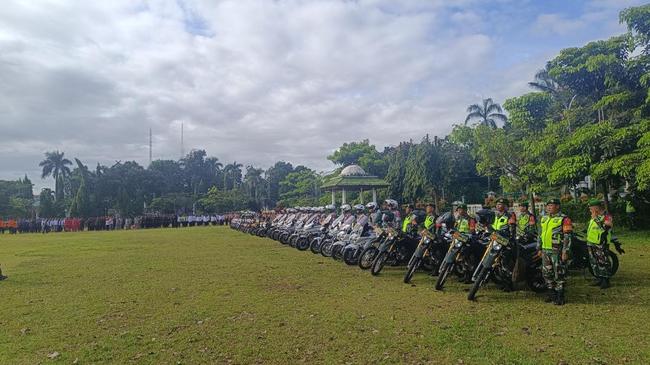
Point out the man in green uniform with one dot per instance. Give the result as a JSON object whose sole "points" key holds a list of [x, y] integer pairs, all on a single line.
{"points": [[526, 224], [504, 222], [463, 223], [555, 241], [598, 236], [430, 219]]}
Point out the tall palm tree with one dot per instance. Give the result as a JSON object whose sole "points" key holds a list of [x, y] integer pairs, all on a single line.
{"points": [[56, 165], [487, 114], [254, 182], [232, 173], [545, 83]]}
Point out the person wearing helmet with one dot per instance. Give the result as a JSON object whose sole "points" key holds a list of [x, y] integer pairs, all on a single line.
{"points": [[392, 206], [329, 216], [348, 217], [374, 214], [361, 219]]}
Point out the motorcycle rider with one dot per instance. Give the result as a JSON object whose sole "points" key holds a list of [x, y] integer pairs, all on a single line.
{"points": [[555, 241], [599, 232], [374, 214], [361, 219], [504, 222], [391, 216]]}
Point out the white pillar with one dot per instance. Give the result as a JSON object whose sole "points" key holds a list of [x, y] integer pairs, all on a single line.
{"points": [[333, 197], [343, 196], [361, 195], [374, 195]]}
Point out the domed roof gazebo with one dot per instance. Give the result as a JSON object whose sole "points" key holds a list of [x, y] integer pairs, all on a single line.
{"points": [[353, 177]]}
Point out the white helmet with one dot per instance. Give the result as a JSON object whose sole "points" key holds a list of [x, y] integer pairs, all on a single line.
{"points": [[392, 204], [346, 208], [330, 207], [371, 206], [359, 208]]}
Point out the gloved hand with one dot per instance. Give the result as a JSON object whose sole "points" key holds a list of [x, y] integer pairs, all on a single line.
{"points": [[619, 249]]}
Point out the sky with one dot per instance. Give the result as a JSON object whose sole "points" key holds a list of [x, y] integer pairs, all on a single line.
{"points": [[257, 81]]}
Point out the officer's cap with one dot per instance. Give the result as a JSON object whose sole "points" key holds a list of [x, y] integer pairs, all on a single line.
{"points": [[553, 201], [595, 203]]}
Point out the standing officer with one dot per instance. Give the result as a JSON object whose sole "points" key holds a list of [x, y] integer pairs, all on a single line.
{"points": [[599, 233], [555, 240]]}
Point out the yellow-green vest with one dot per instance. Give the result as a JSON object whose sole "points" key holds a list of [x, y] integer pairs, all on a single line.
{"points": [[429, 221], [406, 223], [551, 230], [500, 222], [595, 231], [462, 225], [523, 221]]}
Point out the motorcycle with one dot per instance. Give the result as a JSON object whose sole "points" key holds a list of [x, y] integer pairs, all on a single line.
{"points": [[579, 257], [389, 251], [456, 259], [428, 254]]}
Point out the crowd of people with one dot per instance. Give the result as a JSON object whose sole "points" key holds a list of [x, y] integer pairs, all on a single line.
{"points": [[108, 223]]}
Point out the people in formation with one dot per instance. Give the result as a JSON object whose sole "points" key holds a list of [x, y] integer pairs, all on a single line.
{"points": [[519, 226], [108, 223]]}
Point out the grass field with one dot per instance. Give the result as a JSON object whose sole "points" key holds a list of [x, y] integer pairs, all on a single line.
{"points": [[212, 295]]}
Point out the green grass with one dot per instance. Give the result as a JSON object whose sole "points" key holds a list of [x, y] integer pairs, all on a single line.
{"points": [[212, 295]]}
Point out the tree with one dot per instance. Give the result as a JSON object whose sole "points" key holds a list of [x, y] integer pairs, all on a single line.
{"points": [[487, 114], [300, 188], [274, 175], [360, 153], [56, 165], [47, 204], [255, 185], [232, 175]]}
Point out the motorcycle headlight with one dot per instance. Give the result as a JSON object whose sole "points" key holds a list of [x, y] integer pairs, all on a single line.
{"points": [[496, 247], [458, 244]]}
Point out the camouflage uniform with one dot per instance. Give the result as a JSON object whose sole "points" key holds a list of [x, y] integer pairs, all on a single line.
{"points": [[555, 239], [598, 234]]}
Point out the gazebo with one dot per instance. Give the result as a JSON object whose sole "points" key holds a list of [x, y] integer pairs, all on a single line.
{"points": [[353, 177]]}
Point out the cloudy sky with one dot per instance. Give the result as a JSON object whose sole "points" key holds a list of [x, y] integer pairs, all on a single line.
{"points": [[258, 81]]}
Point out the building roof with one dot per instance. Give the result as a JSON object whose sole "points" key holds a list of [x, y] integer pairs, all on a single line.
{"points": [[353, 177]]}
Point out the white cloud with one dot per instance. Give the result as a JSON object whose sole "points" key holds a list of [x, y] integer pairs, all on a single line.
{"points": [[252, 80]]}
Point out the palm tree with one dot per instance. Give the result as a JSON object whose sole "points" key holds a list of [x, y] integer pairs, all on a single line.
{"points": [[488, 114], [254, 182], [56, 165], [545, 83], [232, 173]]}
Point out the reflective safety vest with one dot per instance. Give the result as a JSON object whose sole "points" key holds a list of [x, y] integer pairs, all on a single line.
{"points": [[551, 231], [523, 222], [500, 222], [406, 223], [595, 231], [429, 221], [462, 225]]}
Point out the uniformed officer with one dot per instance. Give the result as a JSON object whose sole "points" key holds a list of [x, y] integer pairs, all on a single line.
{"points": [[599, 233], [555, 241]]}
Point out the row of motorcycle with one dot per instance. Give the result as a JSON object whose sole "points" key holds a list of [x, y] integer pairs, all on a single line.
{"points": [[442, 252]]}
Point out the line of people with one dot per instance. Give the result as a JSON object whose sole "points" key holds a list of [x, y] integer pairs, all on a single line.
{"points": [[491, 245], [108, 223]]}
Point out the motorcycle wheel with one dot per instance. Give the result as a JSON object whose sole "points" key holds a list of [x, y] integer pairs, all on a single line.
{"points": [[337, 252], [326, 248], [535, 280], [367, 257], [350, 256], [480, 278], [378, 264], [302, 244], [411, 270], [445, 269], [315, 245], [283, 238]]}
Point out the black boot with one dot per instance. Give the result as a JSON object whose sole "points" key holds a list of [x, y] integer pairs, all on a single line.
{"points": [[604, 283], [597, 281], [550, 296], [559, 297]]}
